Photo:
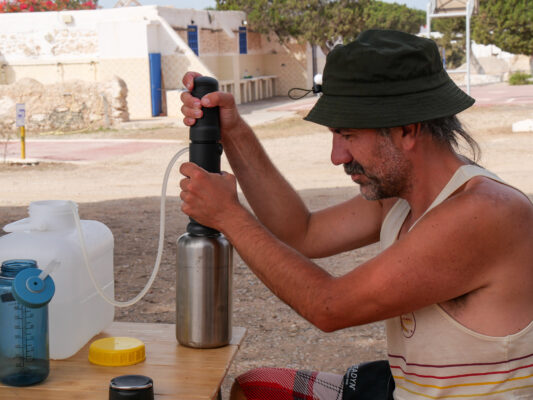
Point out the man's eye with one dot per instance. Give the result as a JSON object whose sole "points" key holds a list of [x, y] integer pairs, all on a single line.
{"points": [[341, 134]]}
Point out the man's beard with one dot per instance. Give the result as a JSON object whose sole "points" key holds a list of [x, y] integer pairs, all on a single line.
{"points": [[354, 168], [386, 181]]}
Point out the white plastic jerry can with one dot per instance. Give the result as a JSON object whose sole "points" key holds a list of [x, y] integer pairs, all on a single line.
{"points": [[77, 312]]}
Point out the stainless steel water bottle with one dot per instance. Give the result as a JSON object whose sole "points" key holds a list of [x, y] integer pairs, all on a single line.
{"points": [[204, 256], [203, 291]]}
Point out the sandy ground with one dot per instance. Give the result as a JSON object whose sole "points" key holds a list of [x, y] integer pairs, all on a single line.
{"points": [[124, 194]]}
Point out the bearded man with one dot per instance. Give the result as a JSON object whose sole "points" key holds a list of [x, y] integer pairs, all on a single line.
{"points": [[454, 279]]}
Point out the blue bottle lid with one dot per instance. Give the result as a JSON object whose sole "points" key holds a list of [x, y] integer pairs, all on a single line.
{"points": [[32, 291]]}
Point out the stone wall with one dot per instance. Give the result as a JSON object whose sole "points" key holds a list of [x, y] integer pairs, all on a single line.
{"points": [[50, 43], [68, 106]]}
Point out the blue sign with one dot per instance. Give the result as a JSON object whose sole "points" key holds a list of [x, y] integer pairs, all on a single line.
{"points": [[21, 114]]}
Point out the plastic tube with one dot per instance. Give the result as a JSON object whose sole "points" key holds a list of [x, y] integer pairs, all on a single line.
{"points": [[49, 268], [159, 249]]}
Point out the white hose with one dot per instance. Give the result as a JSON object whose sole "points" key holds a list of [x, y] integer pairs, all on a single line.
{"points": [[49, 268], [159, 249]]}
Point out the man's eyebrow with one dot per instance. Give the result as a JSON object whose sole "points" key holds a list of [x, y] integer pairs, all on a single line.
{"points": [[338, 130], [345, 131]]}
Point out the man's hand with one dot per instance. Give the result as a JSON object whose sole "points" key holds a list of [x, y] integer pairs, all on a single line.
{"points": [[211, 199], [192, 106]]}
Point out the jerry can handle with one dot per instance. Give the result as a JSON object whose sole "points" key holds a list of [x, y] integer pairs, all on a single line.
{"points": [[25, 224]]}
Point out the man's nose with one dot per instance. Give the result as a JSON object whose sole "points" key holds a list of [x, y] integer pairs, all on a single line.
{"points": [[339, 152]]}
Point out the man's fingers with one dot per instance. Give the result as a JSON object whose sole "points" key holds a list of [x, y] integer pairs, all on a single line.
{"points": [[191, 112], [191, 170], [184, 183], [191, 109], [189, 121], [189, 101], [188, 79], [221, 99], [192, 106]]}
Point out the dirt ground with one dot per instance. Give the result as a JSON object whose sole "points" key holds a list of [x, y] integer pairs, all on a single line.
{"points": [[124, 194]]}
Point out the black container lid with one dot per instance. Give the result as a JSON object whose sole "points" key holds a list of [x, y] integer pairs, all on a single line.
{"points": [[132, 387]]}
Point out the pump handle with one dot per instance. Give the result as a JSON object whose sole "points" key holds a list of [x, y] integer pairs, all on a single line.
{"points": [[205, 148]]}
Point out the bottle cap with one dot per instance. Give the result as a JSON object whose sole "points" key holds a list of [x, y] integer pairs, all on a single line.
{"points": [[32, 291], [117, 351], [131, 387]]}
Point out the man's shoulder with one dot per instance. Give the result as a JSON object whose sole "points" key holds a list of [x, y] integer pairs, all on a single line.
{"points": [[496, 203], [482, 207], [491, 193]]}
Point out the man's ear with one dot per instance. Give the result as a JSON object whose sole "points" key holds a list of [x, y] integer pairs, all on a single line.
{"points": [[410, 135]]}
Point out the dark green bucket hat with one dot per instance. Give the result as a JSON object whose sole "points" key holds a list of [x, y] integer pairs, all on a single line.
{"points": [[383, 79]]}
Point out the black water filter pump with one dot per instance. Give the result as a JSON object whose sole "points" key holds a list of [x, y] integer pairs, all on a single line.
{"points": [[204, 256], [205, 148]]}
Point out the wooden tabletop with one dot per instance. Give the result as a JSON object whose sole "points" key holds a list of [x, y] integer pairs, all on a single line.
{"points": [[178, 372]]}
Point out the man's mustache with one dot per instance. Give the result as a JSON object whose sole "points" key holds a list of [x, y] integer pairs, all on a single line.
{"points": [[354, 168]]}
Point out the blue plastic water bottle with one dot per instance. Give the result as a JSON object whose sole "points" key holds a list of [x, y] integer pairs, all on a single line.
{"points": [[24, 358]]}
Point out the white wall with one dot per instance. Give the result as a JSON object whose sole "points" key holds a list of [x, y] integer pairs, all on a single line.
{"points": [[482, 50], [122, 39], [67, 35], [124, 32]]}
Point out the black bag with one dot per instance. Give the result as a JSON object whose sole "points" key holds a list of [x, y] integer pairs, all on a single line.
{"points": [[368, 381]]}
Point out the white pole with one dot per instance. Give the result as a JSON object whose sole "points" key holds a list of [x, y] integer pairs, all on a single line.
{"points": [[468, 47], [428, 19]]}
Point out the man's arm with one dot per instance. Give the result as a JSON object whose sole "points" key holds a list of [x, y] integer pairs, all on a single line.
{"points": [[278, 206], [458, 248], [349, 225]]}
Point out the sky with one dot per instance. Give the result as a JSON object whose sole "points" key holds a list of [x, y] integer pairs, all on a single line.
{"points": [[201, 4]]}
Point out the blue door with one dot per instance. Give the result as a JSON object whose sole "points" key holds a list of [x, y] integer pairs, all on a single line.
{"points": [[192, 38]]}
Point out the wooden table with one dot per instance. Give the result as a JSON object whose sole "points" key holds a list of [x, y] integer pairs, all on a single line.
{"points": [[178, 372]]}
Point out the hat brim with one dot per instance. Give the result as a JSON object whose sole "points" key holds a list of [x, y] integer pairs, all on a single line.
{"points": [[362, 112]]}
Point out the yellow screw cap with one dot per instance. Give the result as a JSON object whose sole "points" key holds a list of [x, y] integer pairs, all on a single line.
{"points": [[116, 351]]}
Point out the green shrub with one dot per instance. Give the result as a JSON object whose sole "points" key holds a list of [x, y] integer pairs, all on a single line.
{"points": [[520, 78]]}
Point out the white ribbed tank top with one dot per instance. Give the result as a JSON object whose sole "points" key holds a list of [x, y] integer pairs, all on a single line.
{"points": [[432, 356]]}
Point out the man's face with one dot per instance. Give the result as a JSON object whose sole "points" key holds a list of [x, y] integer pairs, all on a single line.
{"points": [[373, 161]]}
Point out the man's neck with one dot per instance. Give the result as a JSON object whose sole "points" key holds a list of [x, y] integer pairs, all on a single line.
{"points": [[430, 174]]}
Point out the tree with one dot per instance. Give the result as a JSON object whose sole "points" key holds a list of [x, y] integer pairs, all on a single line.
{"points": [[453, 39], [332, 22], [507, 24], [393, 16], [319, 22], [11, 6], [324, 22]]}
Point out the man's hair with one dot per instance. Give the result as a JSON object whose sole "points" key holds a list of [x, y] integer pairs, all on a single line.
{"points": [[448, 131]]}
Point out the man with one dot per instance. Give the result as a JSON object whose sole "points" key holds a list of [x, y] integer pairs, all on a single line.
{"points": [[455, 278]]}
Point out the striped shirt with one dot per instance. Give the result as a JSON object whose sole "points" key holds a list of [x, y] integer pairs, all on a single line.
{"points": [[432, 356]]}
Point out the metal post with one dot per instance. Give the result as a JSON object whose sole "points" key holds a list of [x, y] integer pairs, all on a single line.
{"points": [[428, 19], [20, 110], [23, 142], [468, 47], [315, 66]]}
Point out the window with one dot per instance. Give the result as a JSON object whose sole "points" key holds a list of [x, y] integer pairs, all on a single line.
{"points": [[192, 38], [243, 45]]}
